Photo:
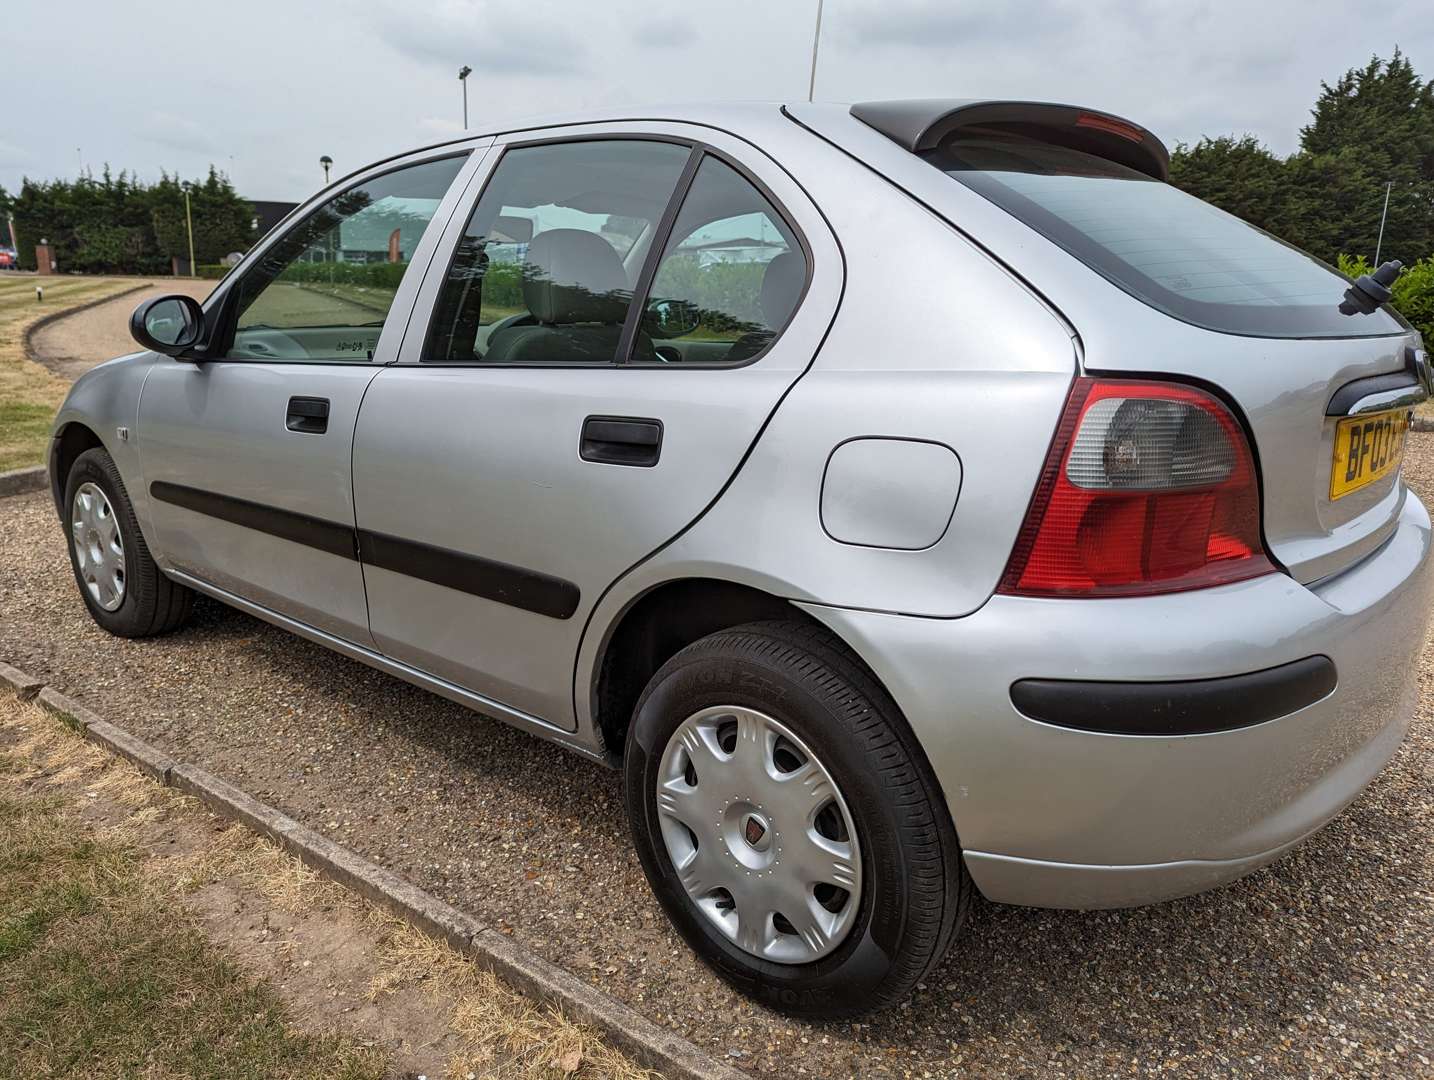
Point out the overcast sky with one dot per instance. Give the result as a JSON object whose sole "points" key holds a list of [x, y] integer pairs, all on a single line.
{"points": [[262, 88]]}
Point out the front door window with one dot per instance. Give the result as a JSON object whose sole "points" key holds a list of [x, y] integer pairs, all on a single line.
{"points": [[323, 291]]}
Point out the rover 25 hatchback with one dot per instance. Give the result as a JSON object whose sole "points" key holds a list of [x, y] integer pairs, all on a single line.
{"points": [[911, 499]]}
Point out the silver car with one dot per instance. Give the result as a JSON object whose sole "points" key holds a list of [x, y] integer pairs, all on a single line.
{"points": [[912, 499]]}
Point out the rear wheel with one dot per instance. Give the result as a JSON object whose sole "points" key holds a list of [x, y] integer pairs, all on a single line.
{"points": [[789, 823], [125, 592]]}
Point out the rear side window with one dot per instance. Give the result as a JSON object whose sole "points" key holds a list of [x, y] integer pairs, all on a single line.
{"points": [[1169, 249], [732, 267]]}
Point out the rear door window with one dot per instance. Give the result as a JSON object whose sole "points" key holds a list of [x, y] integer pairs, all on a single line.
{"points": [[548, 263], [1169, 249]]}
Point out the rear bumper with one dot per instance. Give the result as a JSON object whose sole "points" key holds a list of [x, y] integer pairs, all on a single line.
{"points": [[1061, 816]]}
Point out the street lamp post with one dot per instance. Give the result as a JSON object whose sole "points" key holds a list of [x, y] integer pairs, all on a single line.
{"points": [[326, 161], [463, 74], [189, 227]]}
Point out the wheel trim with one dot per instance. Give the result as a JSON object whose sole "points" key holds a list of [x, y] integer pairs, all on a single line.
{"points": [[763, 842], [98, 546]]}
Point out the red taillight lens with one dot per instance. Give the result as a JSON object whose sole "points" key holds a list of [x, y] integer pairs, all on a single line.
{"points": [[1149, 487]]}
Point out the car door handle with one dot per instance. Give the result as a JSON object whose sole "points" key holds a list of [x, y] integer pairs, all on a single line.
{"points": [[621, 440], [308, 415]]}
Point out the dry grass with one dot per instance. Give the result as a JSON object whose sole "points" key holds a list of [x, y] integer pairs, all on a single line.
{"points": [[503, 1035], [102, 973], [29, 394]]}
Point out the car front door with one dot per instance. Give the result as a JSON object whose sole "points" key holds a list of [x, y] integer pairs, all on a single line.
{"points": [[618, 318], [246, 456]]}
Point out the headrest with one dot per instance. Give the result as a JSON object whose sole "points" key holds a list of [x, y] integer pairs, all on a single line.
{"points": [[782, 288], [572, 276]]}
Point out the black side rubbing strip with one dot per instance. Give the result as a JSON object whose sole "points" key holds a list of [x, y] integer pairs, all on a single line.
{"points": [[515, 586], [313, 532], [512, 585], [1187, 707]]}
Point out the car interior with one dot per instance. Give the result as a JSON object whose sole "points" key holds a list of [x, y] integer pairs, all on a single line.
{"points": [[591, 225]]}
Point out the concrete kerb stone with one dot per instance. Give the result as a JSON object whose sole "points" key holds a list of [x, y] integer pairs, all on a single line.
{"points": [[26, 687], [652, 1045], [24, 481]]}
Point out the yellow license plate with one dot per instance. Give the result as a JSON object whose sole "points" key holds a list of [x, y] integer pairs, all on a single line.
{"points": [[1367, 448]]}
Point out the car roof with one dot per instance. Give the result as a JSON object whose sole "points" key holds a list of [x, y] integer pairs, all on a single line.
{"points": [[914, 124]]}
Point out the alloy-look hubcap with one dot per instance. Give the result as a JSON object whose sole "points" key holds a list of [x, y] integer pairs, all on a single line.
{"points": [[99, 549], [759, 834]]}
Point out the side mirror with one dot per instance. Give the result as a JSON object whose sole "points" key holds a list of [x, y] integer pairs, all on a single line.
{"points": [[672, 318], [170, 324]]}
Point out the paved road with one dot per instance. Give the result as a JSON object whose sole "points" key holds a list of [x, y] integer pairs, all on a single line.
{"points": [[1320, 965], [72, 345]]}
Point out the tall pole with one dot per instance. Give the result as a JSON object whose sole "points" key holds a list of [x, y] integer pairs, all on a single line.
{"points": [[1379, 244], [463, 74], [816, 40], [189, 224]]}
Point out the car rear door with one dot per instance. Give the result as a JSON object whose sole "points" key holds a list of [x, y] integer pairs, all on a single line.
{"points": [[540, 435], [247, 455]]}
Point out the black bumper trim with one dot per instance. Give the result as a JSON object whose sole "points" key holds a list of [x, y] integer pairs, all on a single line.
{"points": [[1186, 707]]}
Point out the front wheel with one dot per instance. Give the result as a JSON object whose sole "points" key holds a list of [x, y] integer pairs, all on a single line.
{"points": [[789, 823], [125, 592]]}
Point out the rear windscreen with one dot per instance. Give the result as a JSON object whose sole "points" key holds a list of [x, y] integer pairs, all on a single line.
{"points": [[1169, 249]]}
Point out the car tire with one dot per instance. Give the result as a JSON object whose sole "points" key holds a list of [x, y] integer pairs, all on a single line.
{"points": [[807, 710], [138, 601]]}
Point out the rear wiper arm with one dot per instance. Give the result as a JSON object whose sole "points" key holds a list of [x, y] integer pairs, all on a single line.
{"points": [[1371, 290]]}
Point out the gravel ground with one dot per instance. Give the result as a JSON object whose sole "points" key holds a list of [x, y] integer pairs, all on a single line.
{"points": [[73, 345], [1319, 965]]}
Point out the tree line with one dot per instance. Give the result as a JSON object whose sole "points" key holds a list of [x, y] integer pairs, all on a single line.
{"points": [[115, 224], [1370, 130]]}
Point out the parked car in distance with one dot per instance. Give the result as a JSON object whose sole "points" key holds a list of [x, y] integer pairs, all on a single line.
{"points": [[8, 259], [911, 498]]}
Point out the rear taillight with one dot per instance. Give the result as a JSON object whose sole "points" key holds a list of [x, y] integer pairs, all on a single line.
{"points": [[1149, 487]]}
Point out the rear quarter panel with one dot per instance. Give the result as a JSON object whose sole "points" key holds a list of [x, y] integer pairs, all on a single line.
{"points": [[933, 341]]}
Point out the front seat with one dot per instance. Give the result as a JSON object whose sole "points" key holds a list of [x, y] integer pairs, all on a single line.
{"points": [[577, 292]]}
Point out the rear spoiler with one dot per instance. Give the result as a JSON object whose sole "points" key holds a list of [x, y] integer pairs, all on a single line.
{"points": [[921, 125]]}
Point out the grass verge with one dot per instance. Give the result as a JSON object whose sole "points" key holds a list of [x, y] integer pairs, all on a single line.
{"points": [[102, 973], [29, 395], [106, 969]]}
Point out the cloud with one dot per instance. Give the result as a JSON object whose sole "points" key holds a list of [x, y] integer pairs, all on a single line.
{"points": [[12, 155], [504, 37], [665, 31], [951, 26], [177, 133]]}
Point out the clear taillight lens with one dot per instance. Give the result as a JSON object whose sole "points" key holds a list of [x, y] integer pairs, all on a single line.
{"points": [[1149, 487]]}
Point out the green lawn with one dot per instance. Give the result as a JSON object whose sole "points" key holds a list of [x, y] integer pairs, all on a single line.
{"points": [[29, 395]]}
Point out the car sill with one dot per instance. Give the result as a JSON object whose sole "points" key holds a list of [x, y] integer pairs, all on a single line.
{"points": [[453, 692]]}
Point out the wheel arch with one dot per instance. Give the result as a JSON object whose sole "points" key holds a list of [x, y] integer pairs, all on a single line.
{"points": [[654, 626], [70, 441]]}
